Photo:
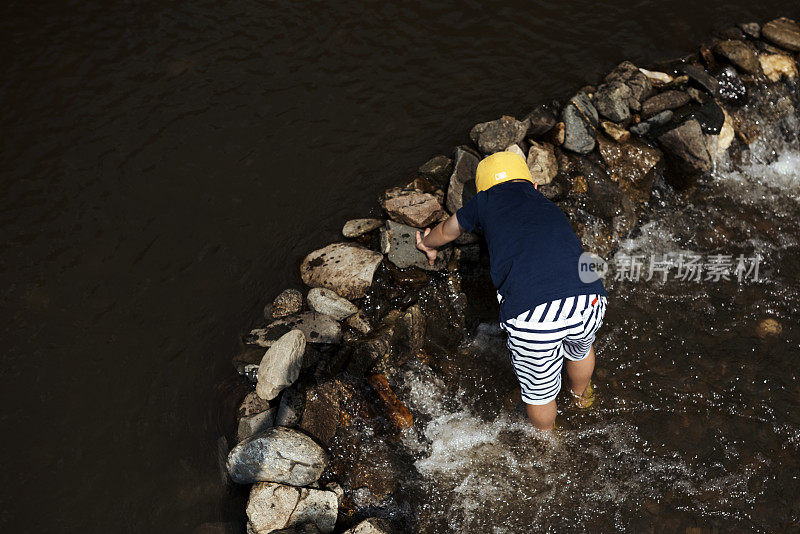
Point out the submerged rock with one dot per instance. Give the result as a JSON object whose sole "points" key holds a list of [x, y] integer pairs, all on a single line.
{"points": [[739, 54], [358, 227], [373, 525], [412, 207], [611, 101], [393, 408], [399, 243], [769, 327], [359, 322], [329, 303], [542, 163], [497, 135], [463, 173], [663, 101], [687, 144], [282, 455], [630, 165], [288, 302], [345, 268], [276, 506], [580, 119], [777, 66], [783, 32], [281, 365], [316, 327]]}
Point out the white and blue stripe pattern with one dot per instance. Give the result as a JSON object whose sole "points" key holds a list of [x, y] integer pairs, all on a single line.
{"points": [[540, 339]]}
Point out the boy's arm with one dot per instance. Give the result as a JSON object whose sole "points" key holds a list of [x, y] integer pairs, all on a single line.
{"points": [[442, 234]]}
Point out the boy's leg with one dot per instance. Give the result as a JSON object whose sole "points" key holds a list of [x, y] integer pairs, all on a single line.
{"points": [[543, 416], [580, 372]]}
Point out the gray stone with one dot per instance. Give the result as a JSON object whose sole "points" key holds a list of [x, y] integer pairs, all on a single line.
{"points": [[739, 54], [327, 302], [687, 143], [411, 207], [497, 135], [252, 404], [783, 32], [750, 29], [542, 163], [611, 101], [627, 73], [253, 424], [540, 121], [373, 525], [644, 127], [343, 267], [663, 101], [580, 118], [290, 408], [272, 507], [281, 365], [288, 302], [463, 172], [399, 243], [358, 227], [437, 165], [279, 454], [317, 328], [699, 75], [516, 150]]}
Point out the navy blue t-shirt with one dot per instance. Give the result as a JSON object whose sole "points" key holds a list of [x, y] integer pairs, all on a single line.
{"points": [[533, 250]]}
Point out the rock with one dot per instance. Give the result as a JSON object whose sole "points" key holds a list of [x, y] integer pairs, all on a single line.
{"points": [[497, 135], [697, 95], [317, 328], [627, 73], [710, 116], [776, 66], [516, 150], [291, 406], [699, 75], [438, 168], [305, 528], [732, 33], [719, 144], [605, 196], [393, 408], [687, 144], [750, 29], [358, 227], [288, 302], [769, 327], [343, 267], [276, 506], [322, 410], [580, 119], [655, 76], [252, 404], [615, 131], [359, 323], [369, 349], [731, 88], [463, 173], [327, 302], [542, 162], [373, 525], [739, 54], [279, 454], [336, 488], [558, 134], [540, 121], [247, 356], [280, 366], [630, 164], [783, 32], [253, 424], [611, 101], [645, 127], [411, 207], [663, 101], [399, 243]]}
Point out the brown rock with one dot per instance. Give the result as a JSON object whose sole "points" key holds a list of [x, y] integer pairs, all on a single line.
{"points": [[662, 101], [288, 302], [540, 121], [769, 327], [393, 408], [688, 145], [322, 412], [411, 207], [630, 165], [739, 54], [542, 163], [251, 405], [776, 66], [343, 267], [558, 134], [616, 132], [783, 32]]}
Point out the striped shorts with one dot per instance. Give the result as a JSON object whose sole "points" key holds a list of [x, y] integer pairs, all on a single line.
{"points": [[541, 338]]}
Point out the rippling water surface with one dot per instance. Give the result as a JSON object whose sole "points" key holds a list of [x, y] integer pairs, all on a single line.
{"points": [[163, 166]]}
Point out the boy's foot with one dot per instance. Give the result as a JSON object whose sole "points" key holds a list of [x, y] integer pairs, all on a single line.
{"points": [[586, 400]]}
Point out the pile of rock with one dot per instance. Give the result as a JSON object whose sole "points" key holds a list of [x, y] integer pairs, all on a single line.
{"points": [[329, 377]]}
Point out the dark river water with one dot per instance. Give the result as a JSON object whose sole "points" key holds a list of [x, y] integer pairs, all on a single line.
{"points": [[164, 166]]}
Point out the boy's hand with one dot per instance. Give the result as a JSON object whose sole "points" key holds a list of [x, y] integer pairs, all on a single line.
{"points": [[430, 252]]}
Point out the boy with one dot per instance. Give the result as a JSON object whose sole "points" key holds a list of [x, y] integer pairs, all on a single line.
{"points": [[549, 314]]}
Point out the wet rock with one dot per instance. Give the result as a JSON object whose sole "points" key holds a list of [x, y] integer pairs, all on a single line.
{"points": [[719, 144], [327, 302], [777, 66], [663, 101], [272, 507], [438, 169], [697, 95], [399, 243], [656, 76], [369, 349], [558, 134], [540, 121], [769, 327], [580, 120], [615, 131], [699, 75], [358, 227], [288, 302], [359, 322], [497, 135], [611, 101], [373, 525], [627, 73], [252, 404], [731, 88], [253, 424], [291, 406], [687, 144], [630, 165], [280, 366], [393, 408], [282, 455], [343, 267], [605, 196], [783, 32], [739, 54], [411, 207], [466, 163], [645, 127], [750, 29], [710, 116], [322, 410], [316, 327], [542, 163]]}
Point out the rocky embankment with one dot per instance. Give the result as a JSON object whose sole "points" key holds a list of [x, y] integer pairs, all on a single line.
{"points": [[316, 436]]}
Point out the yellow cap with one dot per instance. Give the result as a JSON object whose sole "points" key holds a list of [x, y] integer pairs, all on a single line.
{"points": [[501, 167]]}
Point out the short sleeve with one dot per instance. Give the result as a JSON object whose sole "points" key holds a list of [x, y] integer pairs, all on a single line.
{"points": [[467, 215]]}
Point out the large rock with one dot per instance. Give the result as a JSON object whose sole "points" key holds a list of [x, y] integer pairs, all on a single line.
{"points": [[327, 302], [497, 135], [739, 54], [282, 455], [321, 413], [580, 119], [399, 243], [343, 267], [438, 170], [463, 172], [630, 165], [776, 66], [358, 227], [411, 207], [687, 144], [783, 32], [542, 163], [627, 73], [540, 121], [288, 302], [373, 525], [280, 366], [611, 101], [272, 507], [663, 101], [316, 327]]}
